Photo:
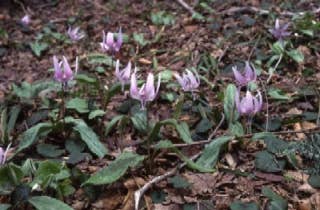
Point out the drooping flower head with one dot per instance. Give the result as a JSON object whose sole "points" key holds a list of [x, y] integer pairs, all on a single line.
{"points": [[249, 75], [75, 34], [147, 92], [109, 44], [25, 20], [124, 75], [280, 31], [3, 154], [188, 81], [62, 70], [249, 104]]}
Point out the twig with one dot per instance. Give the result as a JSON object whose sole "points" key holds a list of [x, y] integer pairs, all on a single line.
{"points": [[186, 6], [233, 10], [139, 193], [274, 68], [306, 131]]}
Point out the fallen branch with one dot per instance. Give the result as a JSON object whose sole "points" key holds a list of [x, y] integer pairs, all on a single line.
{"points": [[186, 6]]}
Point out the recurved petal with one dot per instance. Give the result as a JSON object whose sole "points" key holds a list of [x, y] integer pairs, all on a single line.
{"points": [[150, 92], [110, 40], [250, 74], [66, 69], [127, 71], [134, 92], [238, 76]]}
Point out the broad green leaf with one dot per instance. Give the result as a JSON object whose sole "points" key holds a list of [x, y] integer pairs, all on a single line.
{"points": [[98, 58], [49, 150], [278, 48], [140, 121], [162, 18], [4, 206], [210, 154], [277, 202], [236, 129], [14, 113], [31, 135], [204, 126], [238, 205], [166, 144], [267, 162], [37, 48], [139, 39], [115, 169], [110, 125], [88, 136], [158, 196], [276, 93], [229, 104], [182, 129], [314, 181], [96, 113], [10, 175], [179, 182], [296, 55], [81, 105], [86, 79], [48, 203]]}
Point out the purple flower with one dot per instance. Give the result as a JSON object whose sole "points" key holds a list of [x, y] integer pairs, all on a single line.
{"points": [[25, 20], [124, 75], [188, 81], [280, 32], [62, 70], [109, 44], [147, 92], [3, 154], [248, 76], [248, 105], [75, 34]]}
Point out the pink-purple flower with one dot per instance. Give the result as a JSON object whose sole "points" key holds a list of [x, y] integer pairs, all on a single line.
{"points": [[3, 154], [62, 70], [109, 44], [249, 104], [147, 92], [123, 75], [280, 31], [249, 75], [75, 34], [25, 20], [188, 81]]}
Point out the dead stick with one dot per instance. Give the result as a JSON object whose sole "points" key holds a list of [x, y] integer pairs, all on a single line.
{"points": [[186, 6]]}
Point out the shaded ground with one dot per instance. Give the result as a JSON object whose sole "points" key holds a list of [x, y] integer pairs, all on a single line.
{"points": [[229, 35]]}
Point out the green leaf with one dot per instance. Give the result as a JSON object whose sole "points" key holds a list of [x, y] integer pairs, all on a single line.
{"points": [[88, 136], [158, 196], [139, 39], [296, 55], [229, 104], [14, 113], [4, 206], [166, 144], [204, 126], [267, 162], [38, 47], [276, 93], [277, 202], [210, 154], [116, 169], [81, 105], [162, 18], [314, 181], [236, 129], [178, 182], [96, 113], [47, 203], [238, 205], [277, 48], [10, 176], [49, 150], [113, 123], [31, 135], [140, 121], [86, 79], [97, 58], [182, 129]]}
